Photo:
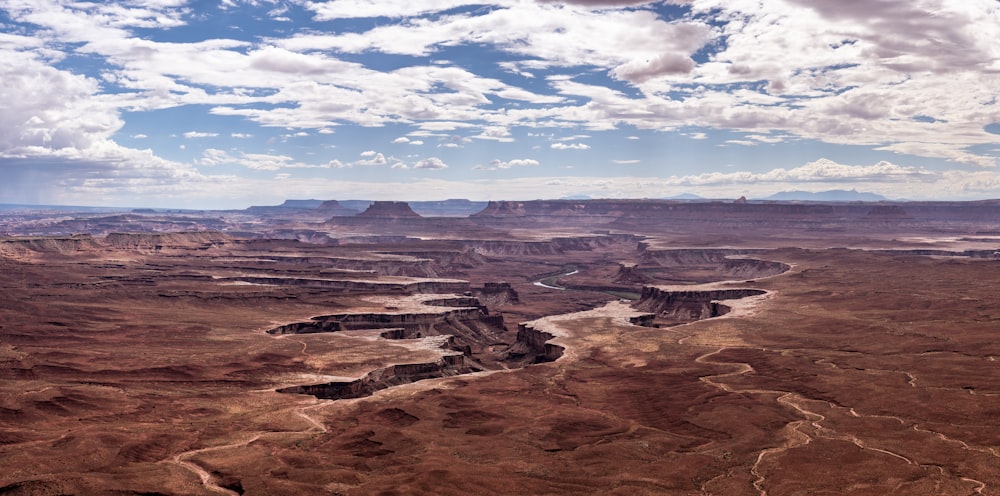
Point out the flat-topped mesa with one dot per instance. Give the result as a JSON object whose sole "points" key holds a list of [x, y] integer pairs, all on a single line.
{"points": [[48, 244], [196, 240], [393, 375], [679, 306], [334, 208], [389, 210]]}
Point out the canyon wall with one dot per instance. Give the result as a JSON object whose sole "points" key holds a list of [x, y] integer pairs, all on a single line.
{"points": [[679, 305]]}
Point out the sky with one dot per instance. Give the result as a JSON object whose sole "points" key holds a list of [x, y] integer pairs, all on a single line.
{"points": [[232, 103]]}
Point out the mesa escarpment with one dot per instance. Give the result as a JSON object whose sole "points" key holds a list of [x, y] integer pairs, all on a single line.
{"points": [[679, 306], [382, 378]]}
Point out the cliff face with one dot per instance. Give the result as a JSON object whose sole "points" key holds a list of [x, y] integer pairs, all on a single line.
{"points": [[496, 294], [680, 306], [394, 375], [198, 240], [389, 210], [333, 207], [48, 244], [532, 346], [146, 242]]}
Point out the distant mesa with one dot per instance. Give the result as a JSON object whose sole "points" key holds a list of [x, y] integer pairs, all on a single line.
{"points": [[389, 210], [833, 195], [741, 200], [333, 207]]}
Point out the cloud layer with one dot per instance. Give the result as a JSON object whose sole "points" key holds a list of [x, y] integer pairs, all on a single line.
{"points": [[119, 102]]}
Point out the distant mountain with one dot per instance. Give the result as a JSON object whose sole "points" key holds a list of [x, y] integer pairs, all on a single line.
{"points": [[685, 196], [833, 195], [576, 197]]}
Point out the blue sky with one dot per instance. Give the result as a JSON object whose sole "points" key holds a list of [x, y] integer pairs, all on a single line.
{"points": [[209, 104]]}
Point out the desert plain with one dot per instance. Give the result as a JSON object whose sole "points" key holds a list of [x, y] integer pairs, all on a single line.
{"points": [[631, 347]]}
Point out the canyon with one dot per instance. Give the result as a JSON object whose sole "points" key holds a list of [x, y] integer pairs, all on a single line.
{"points": [[540, 347]]}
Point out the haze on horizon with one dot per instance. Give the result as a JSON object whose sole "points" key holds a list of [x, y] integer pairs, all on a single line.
{"points": [[177, 103]]}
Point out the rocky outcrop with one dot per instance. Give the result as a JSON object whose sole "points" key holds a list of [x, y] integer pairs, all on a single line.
{"points": [[424, 323], [533, 346], [752, 268], [727, 263], [394, 375], [198, 240], [630, 274], [389, 210], [675, 306], [334, 208], [48, 244], [495, 294]]}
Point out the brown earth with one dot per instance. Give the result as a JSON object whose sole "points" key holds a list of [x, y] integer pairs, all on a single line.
{"points": [[151, 364]]}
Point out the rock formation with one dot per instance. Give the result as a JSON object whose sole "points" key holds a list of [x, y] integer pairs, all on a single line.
{"points": [[676, 306], [389, 210], [630, 274], [334, 208], [382, 378]]}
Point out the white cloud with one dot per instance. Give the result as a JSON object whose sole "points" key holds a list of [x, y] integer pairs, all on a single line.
{"points": [[915, 78], [430, 163], [198, 134], [570, 146], [374, 159]]}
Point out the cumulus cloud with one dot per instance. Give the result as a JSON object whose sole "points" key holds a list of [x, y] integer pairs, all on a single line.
{"points": [[372, 159], [914, 78], [640, 71], [430, 163], [570, 146]]}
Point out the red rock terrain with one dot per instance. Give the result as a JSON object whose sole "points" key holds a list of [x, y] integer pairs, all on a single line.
{"points": [[515, 357]]}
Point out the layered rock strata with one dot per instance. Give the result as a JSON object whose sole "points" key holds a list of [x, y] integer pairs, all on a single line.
{"points": [[677, 306]]}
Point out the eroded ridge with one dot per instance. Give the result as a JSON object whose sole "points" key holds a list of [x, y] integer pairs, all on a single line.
{"points": [[677, 305], [533, 343]]}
